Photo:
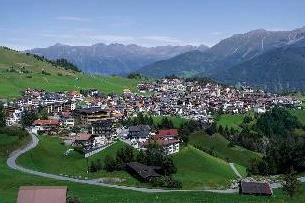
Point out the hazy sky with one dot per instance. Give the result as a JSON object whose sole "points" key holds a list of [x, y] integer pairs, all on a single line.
{"points": [[39, 23]]}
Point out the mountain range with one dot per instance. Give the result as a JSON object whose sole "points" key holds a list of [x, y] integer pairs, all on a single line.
{"points": [[272, 60], [113, 58], [277, 70], [225, 54]]}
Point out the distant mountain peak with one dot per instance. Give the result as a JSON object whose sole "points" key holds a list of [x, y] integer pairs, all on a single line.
{"points": [[114, 58], [59, 45]]}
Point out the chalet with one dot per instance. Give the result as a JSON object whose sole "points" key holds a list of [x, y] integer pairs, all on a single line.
{"points": [[58, 107], [167, 134], [168, 139], [255, 188], [45, 126], [39, 194], [67, 119], [169, 146], [143, 172], [84, 140], [104, 131], [139, 133], [87, 116]]}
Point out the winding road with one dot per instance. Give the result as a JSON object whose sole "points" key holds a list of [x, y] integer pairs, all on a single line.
{"points": [[11, 162]]}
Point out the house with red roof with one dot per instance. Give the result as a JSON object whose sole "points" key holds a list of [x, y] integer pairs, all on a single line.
{"points": [[168, 139], [167, 134], [45, 126]]}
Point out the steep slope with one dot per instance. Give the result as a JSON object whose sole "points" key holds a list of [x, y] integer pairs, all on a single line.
{"points": [[219, 146], [113, 58], [227, 53], [198, 170], [277, 70], [189, 63]]}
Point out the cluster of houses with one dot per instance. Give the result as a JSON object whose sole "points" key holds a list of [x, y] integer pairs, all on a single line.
{"points": [[89, 119], [194, 100]]}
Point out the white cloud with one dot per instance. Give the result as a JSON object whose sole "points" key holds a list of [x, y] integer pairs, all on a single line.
{"points": [[73, 18]]}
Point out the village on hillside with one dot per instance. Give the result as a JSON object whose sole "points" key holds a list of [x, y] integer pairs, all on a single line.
{"points": [[91, 121]]}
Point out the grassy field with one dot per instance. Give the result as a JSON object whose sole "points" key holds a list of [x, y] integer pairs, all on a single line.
{"points": [[20, 61], [13, 83], [9, 143], [50, 150], [177, 121], [220, 146], [300, 114], [230, 120], [28, 74], [11, 180], [7, 140], [198, 170]]}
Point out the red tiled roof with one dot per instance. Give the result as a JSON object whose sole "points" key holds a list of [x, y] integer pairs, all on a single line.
{"points": [[169, 132], [83, 136], [39, 194], [166, 133], [46, 122]]}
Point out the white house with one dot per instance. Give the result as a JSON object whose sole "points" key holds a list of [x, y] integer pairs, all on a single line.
{"points": [[259, 109]]}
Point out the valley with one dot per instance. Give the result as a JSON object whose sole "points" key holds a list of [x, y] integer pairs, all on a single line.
{"points": [[156, 101]]}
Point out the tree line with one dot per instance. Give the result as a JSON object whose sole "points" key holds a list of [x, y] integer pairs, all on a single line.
{"points": [[57, 62]]}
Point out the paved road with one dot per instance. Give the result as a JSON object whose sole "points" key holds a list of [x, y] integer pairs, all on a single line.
{"points": [[235, 170], [11, 162]]}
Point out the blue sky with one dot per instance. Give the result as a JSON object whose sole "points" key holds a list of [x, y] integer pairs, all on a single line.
{"points": [[40, 23]]}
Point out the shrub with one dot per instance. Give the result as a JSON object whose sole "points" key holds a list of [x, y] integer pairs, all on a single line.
{"points": [[110, 163], [166, 181]]}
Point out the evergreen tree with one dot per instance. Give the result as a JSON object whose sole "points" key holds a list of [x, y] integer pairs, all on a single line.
{"points": [[212, 129], [110, 163], [125, 155], [220, 129], [2, 116], [28, 117], [141, 157], [168, 167], [42, 113]]}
